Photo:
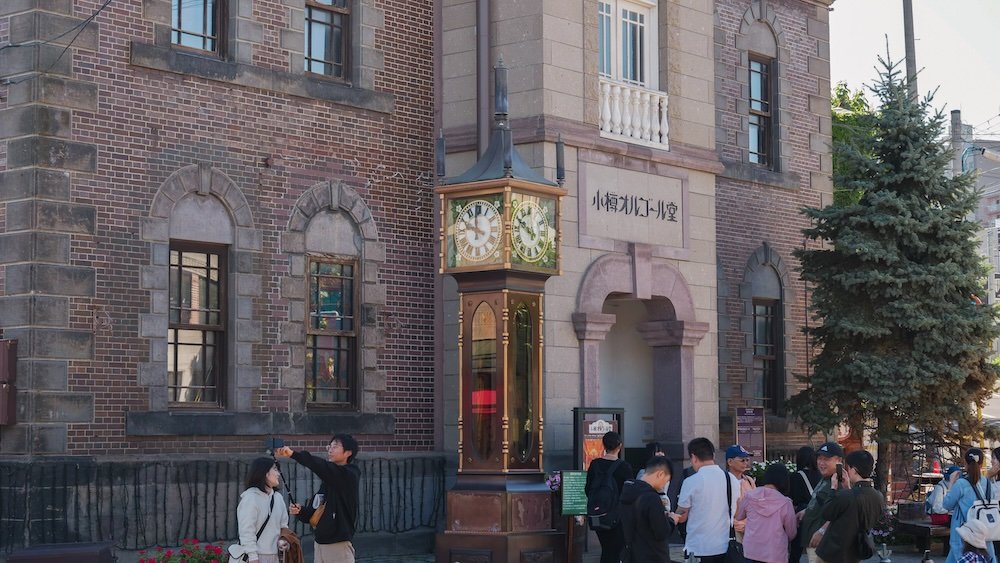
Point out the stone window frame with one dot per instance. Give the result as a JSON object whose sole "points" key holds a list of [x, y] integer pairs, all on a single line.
{"points": [[234, 64], [244, 285], [777, 173], [334, 196], [766, 257]]}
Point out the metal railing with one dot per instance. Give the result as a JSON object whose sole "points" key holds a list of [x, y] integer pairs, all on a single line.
{"points": [[138, 505]]}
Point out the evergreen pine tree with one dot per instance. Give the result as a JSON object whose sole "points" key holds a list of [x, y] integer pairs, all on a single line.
{"points": [[902, 343]]}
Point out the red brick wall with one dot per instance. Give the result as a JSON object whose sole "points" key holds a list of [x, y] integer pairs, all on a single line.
{"points": [[751, 213], [151, 123]]}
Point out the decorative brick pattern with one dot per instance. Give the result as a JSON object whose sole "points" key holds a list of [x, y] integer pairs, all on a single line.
{"points": [[758, 219], [130, 128]]}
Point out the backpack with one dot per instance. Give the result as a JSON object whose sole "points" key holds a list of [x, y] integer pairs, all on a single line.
{"points": [[986, 511], [603, 511]]}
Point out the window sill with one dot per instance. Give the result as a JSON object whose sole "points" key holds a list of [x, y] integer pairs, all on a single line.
{"points": [[173, 423], [758, 175], [301, 85]]}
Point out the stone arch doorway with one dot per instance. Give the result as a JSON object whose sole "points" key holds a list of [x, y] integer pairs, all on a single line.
{"points": [[655, 305], [625, 371]]}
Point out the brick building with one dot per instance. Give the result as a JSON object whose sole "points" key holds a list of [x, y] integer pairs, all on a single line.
{"points": [[216, 223], [214, 228], [773, 125]]}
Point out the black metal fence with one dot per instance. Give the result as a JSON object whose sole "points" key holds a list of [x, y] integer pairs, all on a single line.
{"points": [[138, 505]]}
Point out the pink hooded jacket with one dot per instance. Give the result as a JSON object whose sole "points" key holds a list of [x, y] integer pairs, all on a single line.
{"points": [[770, 524]]}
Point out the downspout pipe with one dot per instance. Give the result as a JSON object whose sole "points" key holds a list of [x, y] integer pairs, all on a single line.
{"points": [[483, 117]]}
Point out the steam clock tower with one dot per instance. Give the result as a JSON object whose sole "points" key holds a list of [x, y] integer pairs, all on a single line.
{"points": [[500, 240]]}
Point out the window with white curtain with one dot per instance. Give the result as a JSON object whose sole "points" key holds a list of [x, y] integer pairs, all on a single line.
{"points": [[626, 41]]}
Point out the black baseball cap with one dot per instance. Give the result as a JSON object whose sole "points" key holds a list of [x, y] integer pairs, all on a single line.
{"points": [[830, 449]]}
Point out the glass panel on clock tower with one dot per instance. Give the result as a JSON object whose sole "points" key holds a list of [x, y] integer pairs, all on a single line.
{"points": [[484, 380], [524, 383]]}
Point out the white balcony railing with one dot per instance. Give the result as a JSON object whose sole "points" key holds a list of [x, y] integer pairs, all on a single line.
{"points": [[633, 114]]}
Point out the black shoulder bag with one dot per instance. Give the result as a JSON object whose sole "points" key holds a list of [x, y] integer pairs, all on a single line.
{"points": [[270, 509], [734, 552]]}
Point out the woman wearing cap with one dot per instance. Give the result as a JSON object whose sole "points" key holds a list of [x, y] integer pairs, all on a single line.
{"points": [[960, 498]]}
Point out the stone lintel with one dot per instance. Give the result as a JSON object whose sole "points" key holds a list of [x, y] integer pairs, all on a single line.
{"points": [[172, 60], [672, 333]]}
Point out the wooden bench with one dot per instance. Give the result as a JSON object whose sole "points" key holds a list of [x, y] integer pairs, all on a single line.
{"points": [[924, 532]]}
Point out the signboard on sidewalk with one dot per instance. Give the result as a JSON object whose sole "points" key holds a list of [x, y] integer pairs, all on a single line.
{"points": [[574, 497], [750, 431]]}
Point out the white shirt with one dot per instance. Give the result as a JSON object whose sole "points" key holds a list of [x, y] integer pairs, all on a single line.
{"points": [[709, 518]]}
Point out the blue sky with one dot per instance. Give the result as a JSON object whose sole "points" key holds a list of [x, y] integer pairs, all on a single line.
{"points": [[953, 47]]}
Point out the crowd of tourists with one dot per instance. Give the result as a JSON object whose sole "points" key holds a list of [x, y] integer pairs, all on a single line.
{"points": [[823, 511]]}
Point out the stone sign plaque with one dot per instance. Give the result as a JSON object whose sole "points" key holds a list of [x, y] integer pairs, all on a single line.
{"points": [[631, 206]]}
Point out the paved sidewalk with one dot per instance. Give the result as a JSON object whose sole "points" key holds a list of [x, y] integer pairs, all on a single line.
{"points": [[398, 559], [901, 555]]}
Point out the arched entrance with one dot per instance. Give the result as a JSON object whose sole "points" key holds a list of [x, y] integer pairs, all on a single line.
{"points": [[626, 367], [654, 303]]}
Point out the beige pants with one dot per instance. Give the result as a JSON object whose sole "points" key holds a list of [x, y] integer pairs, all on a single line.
{"points": [[340, 552]]}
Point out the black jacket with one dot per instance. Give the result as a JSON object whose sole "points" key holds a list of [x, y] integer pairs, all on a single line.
{"points": [[847, 511], [798, 491], [645, 524], [340, 487], [598, 466]]}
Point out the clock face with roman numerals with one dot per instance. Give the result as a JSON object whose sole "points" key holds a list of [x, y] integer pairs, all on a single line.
{"points": [[478, 231], [530, 234]]}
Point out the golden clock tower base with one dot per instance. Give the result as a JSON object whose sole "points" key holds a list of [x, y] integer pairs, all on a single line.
{"points": [[499, 239]]}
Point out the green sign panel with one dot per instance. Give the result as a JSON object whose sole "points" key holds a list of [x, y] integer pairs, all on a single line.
{"points": [[574, 497]]}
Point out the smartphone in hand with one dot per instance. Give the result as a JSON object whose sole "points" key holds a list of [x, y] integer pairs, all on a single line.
{"points": [[840, 474]]}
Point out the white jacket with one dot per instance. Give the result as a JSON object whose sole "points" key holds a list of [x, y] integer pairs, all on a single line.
{"points": [[250, 514]]}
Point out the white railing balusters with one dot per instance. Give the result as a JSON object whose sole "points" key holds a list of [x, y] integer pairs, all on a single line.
{"points": [[633, 114]]}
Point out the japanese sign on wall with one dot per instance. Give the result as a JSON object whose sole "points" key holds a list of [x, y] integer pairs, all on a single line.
{"points": [[632, 206]]}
